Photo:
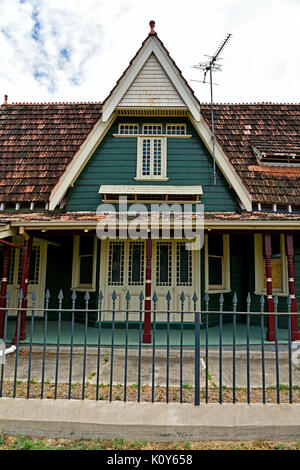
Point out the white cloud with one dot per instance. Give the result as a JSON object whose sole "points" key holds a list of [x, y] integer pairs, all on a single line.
{"points": [[75, 50]]}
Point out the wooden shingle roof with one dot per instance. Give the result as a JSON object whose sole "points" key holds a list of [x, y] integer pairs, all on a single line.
{"points": [[269, 128], [37, 141]]}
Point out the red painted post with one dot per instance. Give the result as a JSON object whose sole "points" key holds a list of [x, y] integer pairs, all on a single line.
{"points": [[147, 320], [24, 287], [291, 279], [270, 301], [4, 281]]}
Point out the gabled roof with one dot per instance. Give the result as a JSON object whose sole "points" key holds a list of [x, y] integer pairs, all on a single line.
{"points": [[268, 127]]}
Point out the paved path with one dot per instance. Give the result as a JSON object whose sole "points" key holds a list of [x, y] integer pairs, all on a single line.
{"points": [[146, 367]]}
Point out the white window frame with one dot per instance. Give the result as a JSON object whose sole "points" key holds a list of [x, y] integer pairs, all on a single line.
{"points": [[259, 267], [226, 281], [174, 125], [76, 267], [152, 124], [128, 124], [139, 171]]}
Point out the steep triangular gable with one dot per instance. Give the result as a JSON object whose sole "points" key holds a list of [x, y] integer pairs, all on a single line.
{"points": [[152, 87], [154, 50]]}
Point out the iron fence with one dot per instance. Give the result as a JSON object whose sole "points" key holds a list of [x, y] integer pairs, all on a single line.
{"points": [[127, 356]]}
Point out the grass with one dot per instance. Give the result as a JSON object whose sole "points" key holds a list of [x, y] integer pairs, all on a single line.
{"points": [[28, 443]]}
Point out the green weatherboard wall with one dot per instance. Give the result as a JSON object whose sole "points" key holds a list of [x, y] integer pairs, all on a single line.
{"points": [[114, 162]]}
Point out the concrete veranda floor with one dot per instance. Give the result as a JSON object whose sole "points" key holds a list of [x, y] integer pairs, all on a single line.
{"points": [[133, 335]]}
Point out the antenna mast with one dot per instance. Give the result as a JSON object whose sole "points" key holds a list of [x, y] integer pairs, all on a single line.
{"points": [[212, 66]]}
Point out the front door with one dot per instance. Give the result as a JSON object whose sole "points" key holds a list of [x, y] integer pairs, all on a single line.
{"points": [[174, 269], [37, 273]]}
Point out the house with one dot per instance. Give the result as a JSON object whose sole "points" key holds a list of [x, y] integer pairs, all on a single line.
{"points": [[150, 142]]}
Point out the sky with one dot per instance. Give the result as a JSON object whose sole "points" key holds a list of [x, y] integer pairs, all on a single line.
{"points": [[75, 50]]}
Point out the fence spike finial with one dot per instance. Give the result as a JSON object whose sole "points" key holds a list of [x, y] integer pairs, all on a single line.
{"points": [[21, 294], [114, 296], [182, 297], [289, 300], [33, 296], [100, 296], [154, 298], [128, 296], [275, 299], [221, 299], [168, 296], [73, 296], [195, 298], [235, 299], [262, 300], [7, 295], [47, 295], [87, 296], [60, 295], [141, 297]]}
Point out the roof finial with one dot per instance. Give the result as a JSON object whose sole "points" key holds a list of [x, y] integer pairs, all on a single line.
{"points": [[5, 99], [152, 25]]}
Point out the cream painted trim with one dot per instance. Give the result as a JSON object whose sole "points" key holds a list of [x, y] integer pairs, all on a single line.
{"points": [[79, 161], [148, 189], [226, 285], [224, 164], [139, 160], [76, 267], [169, 136], [7, 231], [152, 45], [259, 267]]}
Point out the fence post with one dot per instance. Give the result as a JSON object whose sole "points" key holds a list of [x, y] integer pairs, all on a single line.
{"points": [[197, 350]]}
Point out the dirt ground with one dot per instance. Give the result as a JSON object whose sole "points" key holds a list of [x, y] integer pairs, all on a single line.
{"points": [[26, 443]]}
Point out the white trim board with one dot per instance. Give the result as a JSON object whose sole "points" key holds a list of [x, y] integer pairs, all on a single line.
{"points": [[148, 189]]}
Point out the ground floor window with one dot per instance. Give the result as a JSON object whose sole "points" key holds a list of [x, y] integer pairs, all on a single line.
{"points": [[217, 263], [278, 265], [84, 263]]}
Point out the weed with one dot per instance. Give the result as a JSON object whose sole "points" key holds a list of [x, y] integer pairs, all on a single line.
{"points": [[187, 386]]}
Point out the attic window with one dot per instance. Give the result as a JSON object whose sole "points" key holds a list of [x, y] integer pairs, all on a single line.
{"points": [[152, 129], [277, 158], [176, 129], [128, 129]]}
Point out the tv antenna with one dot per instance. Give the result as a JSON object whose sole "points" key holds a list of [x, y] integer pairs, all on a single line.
{"points": [[212, 66]]}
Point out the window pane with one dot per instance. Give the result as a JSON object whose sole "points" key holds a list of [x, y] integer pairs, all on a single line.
{"points": [[176, 130], [86, 270], [152, 129], [146, 157], [128, 129], [184, 265], [136, 263], [163, 269], [157, 157], [215, 271], [116, 263], [86, 246], [276, 251], [215, 245]]}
